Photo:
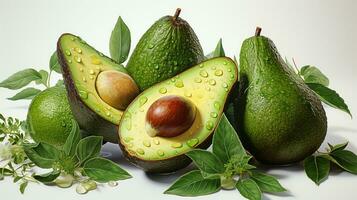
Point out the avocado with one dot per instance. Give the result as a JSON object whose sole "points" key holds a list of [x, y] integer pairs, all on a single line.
{"points": [[280, 120], [98, 88], [175, 116], [167, 48]]}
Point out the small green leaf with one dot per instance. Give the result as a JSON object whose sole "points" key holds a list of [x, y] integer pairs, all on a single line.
{"points": [[43, 155], [347, 160], [330, 97], [89, 147], [23, 187], [207, 162], [72, 140], [103, 170], [120, 40], [48, 177], [317, 168], [249, 189], [27, 93], [54, 64], [193, 184], [44, 77], [312, 74], [226, 142], [266, 182], [5, 171], [17, 178], [219, 51], [20, 79], [338, 146]]}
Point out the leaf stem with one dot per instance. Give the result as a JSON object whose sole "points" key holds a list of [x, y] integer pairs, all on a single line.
{"points": [[177, 13]]}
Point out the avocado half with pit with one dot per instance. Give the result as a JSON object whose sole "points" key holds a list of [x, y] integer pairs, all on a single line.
{"points": [[98, 88], [177, 115]]}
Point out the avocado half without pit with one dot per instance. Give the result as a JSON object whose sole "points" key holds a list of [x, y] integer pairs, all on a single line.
{"points": [[98, 89], [175, 116]]}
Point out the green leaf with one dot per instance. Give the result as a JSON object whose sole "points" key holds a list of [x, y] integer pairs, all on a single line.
{"points": [[48, 177], [103, 170], [44, 77], [5, 171], [72, 140], [59, 83], [317, 168], [27, 93], [119, 45], [54, 64], [347, 160], [312, 74], [207, 162], [226, 142], [338, 146], [193, 184], [330, 97], [89, 147], [219, 51], [23, 187], [249, 189], [20, 79], [17, 178], [43, 155], [266, 182]]}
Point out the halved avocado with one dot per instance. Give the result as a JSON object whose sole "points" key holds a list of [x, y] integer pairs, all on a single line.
{"points": [[81, 65], [207, 87]]}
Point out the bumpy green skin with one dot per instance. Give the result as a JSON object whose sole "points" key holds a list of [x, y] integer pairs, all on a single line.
{"points": [[49, 116], [166, 49], [281, 120]]}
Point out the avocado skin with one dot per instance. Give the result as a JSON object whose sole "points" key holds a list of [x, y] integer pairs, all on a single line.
{"points": [[167, 48], [87, 119], [280, 120]]}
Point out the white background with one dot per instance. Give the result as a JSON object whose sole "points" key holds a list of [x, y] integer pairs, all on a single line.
{"points": [[319, 32]]}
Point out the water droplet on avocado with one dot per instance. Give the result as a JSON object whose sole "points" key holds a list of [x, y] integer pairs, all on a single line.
{"points": [[108, 114], [83, 94], [128, 139], [224, 62], [224, 85], [156, 67], [78, 50], [78, 59], [179, 84], [84, 79], [151, 46], [162, 90], [218, 72], [101, 54], [91, 72], [140, 151], [175, 62], [208, 88], [63, 124], [232, 76], [188, 94], [95, 60], [176, 145], [198, 80], [212, 82], [173, 79], [69, 61], [81, 69], [203, 73], [192, 142], [217, 105], [156, 141], [147, 143], [68, 53], [213, 67], [229, 69], [160, 152], [213, 114], [91, 77], [73, 39], [143, 100], [209, 125], [201, 65]]}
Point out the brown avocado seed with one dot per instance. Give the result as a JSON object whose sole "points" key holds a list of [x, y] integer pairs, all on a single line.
{"points": [[116, 88], [170, 116]]}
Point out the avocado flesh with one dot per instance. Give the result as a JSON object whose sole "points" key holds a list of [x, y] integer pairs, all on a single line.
{"points": [[167, 48], [81, 65], [280, 119], [207, 86]]}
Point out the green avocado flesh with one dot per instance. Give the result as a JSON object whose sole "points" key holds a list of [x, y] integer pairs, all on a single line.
{"points": [[280, 119], [207, 86], [167, 48], [81, 65]]}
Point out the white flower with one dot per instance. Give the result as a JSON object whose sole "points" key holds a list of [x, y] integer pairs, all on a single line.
{"points": [[5, 151]]}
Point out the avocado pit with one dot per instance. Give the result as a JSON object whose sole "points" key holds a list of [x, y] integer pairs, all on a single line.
{"points": [[170, 116], [116, 88]]}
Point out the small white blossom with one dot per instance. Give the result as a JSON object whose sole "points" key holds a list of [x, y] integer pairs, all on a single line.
{"points": [[5, 151]]}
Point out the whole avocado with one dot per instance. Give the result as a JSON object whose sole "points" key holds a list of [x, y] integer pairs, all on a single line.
{"points": [[167, 48], [280, 119]]}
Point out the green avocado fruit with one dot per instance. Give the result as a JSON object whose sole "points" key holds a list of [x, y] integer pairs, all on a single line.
{"points": [[49, 118], [98, 88], [280, 120], [176, 115], [167, 48]]}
